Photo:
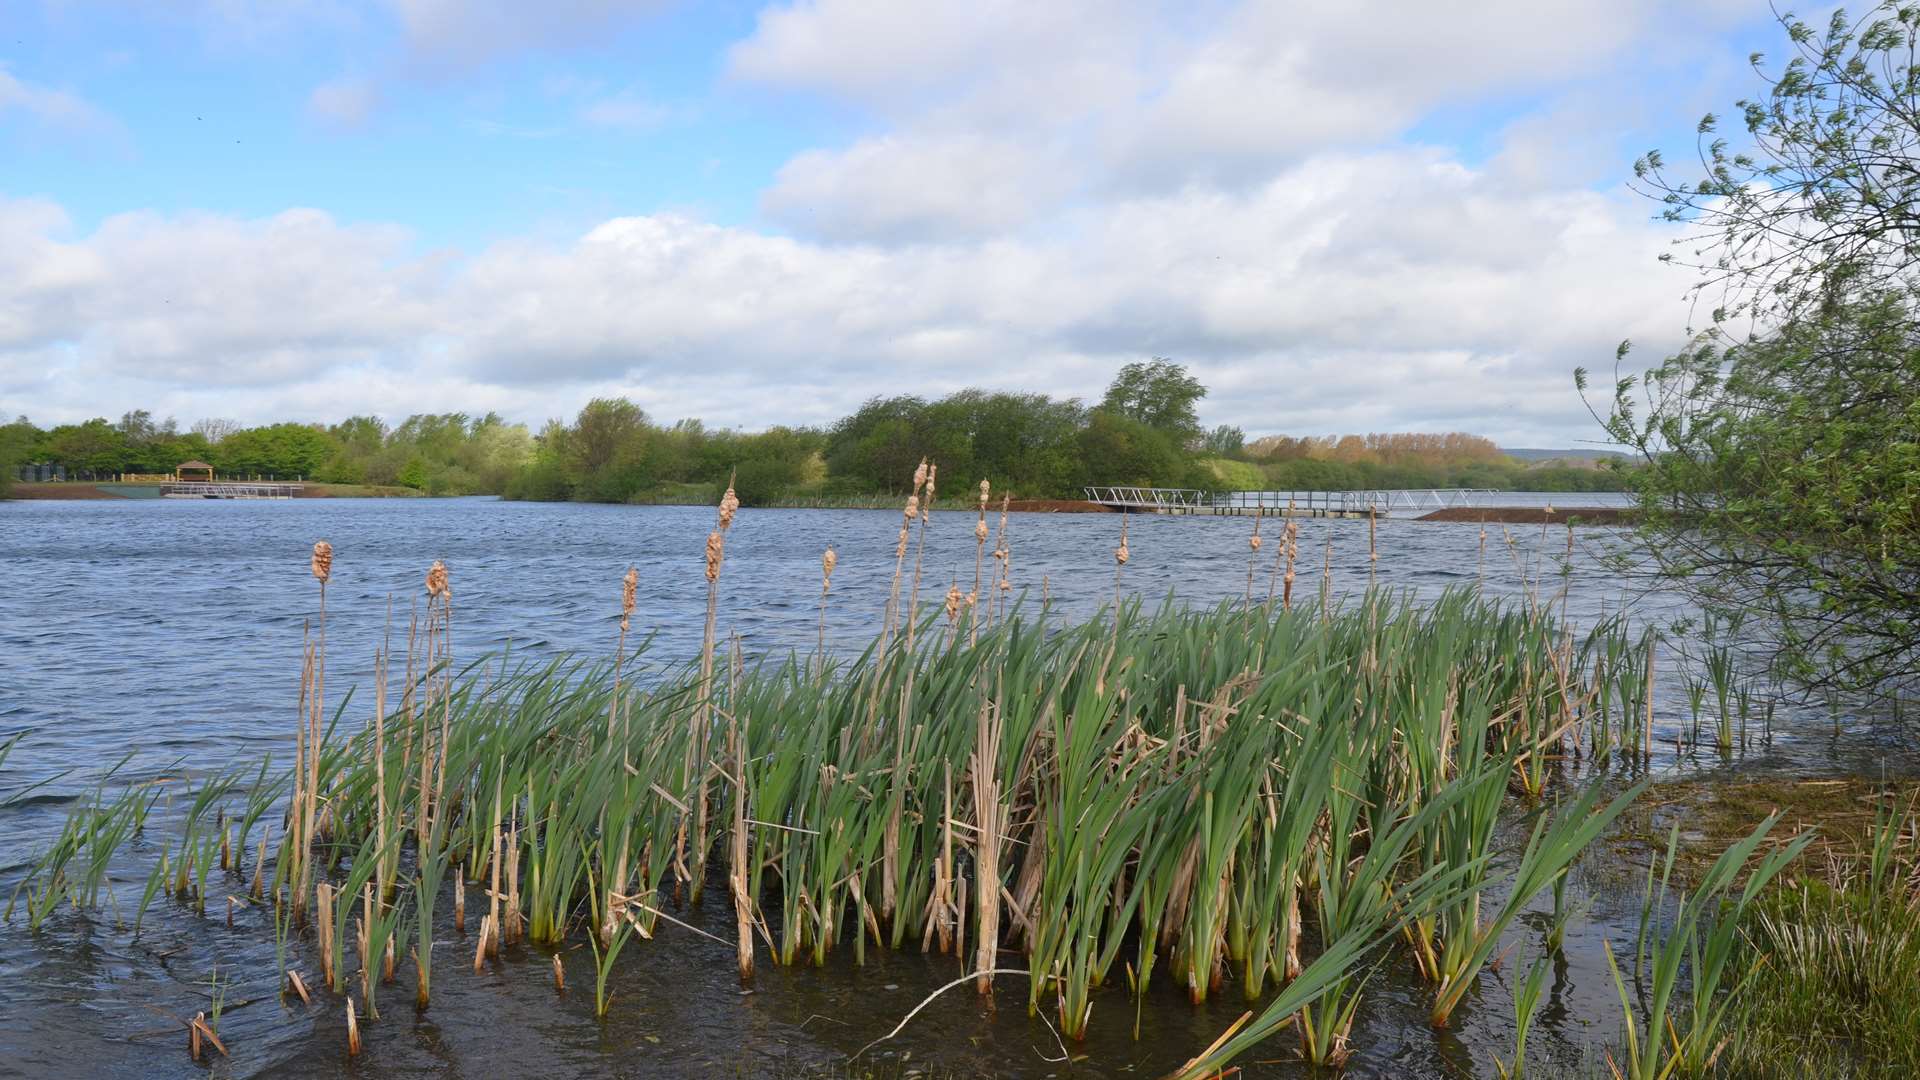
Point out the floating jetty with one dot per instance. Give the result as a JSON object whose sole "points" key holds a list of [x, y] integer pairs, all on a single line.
{"points": [[196, 489]]}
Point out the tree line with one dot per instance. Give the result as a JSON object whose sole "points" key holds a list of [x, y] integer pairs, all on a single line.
{"points": [[439, 454], [1144, 430]]}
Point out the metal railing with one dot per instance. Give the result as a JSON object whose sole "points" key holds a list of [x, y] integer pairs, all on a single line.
{"points": [[224, 489], [1383, 501]]}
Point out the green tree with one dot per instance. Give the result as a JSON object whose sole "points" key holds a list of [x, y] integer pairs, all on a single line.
{"points": [[1779, 448], [1121, 450], [1782, 477], [1160, 394]]}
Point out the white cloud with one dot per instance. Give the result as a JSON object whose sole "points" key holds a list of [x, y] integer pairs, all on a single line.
{"points": [[915, 188], [59, 111], [344, 103], [624, 112], [1384, 289], [466, 33]]}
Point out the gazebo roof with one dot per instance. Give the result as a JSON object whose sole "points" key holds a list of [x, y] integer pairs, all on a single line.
{"points": [[195, 464]]}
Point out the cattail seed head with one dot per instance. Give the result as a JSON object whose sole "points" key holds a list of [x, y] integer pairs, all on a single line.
{"points": [[729, 502], [437, 580], [920, 476], [1254, 542], [322, 560], [954, 598], [629, 586], [934, 470], [980, 530], [827, 562], [716, 550], [913, 507], [984, 487], [1120, 554]]}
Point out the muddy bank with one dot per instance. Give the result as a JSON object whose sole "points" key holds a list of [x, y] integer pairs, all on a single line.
{"points": [[1534, 515]]}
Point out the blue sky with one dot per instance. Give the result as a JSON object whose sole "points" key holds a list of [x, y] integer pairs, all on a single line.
{"points": [[1350, 216]]}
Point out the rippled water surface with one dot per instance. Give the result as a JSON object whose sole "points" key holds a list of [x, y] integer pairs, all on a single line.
{"points": [[169, 632]]}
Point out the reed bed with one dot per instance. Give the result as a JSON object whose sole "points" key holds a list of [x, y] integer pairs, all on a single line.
{"points": [[1255, 794]]}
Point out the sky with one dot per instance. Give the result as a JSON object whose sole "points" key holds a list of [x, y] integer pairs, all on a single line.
{"points": [[1342, 215]]}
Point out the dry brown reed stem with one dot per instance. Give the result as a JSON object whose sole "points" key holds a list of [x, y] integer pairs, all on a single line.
{"points": [[927, 474], [323, 933], [1253, 547], [512, 923], [629, 589], [701, 718], [386, 869], [743, 900], [989, 822], [827, 562], [980, 532], [1326, 580], [1120, 557], [438, 585], [487, 933], [490, 926], [459, 898], [1003, 558], [559, 975], [353, 1032], [297, 985]]}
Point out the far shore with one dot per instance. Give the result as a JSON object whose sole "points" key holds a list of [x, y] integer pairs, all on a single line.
{"points": [[1512, 515]]}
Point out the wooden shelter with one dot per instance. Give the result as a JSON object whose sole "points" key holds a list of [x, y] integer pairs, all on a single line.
{"points": [[196, 470]]}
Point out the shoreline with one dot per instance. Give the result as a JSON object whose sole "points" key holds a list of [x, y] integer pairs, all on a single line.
{"points": [[86, 491]]}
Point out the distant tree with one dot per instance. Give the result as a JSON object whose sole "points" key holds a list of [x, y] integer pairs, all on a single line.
{"points": [[1160, 394], [214, 428], [1226, 441], [1118, 449]]}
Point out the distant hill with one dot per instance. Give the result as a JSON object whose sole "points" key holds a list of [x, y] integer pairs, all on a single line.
{"points": [[1535, 454]]}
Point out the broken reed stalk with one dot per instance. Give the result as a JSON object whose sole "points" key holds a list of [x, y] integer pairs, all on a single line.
{"points": [[353, 1032], [1120, 557]]}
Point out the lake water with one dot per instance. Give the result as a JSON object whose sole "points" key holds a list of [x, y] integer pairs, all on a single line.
{"points": [[170, 632]]}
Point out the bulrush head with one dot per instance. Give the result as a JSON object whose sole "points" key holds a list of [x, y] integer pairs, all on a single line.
{"points": [[984, 489], [322, 560], [932, 472], [828, 561], [437, 580], [980, 530], [729, 503], [629, 586], [920, 476], [716, 550], [954, 600]]}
